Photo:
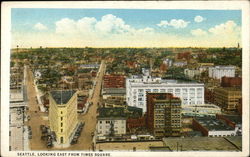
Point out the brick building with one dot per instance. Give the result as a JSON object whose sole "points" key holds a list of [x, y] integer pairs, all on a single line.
{"points": [[114, 81], [163, 116], [231, 81]]}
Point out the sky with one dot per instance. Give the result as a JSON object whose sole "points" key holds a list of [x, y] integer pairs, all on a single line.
{"points": [[35, 27]]}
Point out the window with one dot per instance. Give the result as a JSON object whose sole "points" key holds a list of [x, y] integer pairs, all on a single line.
{"points": [[61, 139], [100, 122], [61, 118], [61, 124], [61, 112], [61, 130]]}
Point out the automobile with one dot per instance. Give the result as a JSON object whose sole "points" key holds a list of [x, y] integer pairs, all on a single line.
{"points": [[29, 128], [41, 127], [30, 136], [74, 141]]}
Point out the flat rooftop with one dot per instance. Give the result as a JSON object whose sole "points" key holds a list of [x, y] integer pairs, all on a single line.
{"points": [[62, 96], [117, 112], [200, 144], [129, 146], [213, 124]]}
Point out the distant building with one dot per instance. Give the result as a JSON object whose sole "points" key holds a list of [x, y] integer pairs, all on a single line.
{"points": [[111, 122], [137, 86], [191, 73], [231, 81], [163, 116], [227, 98], [184, 55], [218, 72], [180, 63], [213, 127], [63, 115], [201, 110]]}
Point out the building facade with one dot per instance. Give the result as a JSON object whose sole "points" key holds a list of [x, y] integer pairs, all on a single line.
{"points": [[63, 115], [218, 72], [190, 93], [227, 98], [111, 122], [191, 73], [163, 117]]}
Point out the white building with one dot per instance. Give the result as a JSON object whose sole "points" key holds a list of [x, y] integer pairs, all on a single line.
{"points": [[191, 73], [218, 72], [111, 121], [180, 64], [136, 87], [201, 110]]}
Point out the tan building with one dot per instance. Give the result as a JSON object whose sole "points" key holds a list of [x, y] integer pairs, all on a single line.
{"points": [[63, 115], [227, 98]]}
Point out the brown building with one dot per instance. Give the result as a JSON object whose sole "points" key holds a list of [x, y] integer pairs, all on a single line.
{"points": [[209, 95], [184, 55], [114, 81], [163, 116], [231, 81], [227, 98]]}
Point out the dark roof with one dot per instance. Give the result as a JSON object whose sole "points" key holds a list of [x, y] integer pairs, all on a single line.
{"points": [[213, 124], [234, 118], [62, 97], [116, 112]]}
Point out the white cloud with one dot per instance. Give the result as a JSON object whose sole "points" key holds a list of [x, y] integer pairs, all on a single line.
{"points": [[228, 28], [108, 25], [199, 19], [174, 23], [198, 32], [40, 27], [66, 26]]}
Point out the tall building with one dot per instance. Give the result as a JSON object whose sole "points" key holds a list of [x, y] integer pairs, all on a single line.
{"points": [[227, 98], [190, 93], [163, 117], [63, 115], [218, 72]]}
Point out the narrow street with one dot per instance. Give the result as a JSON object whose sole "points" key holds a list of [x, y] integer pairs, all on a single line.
{"points": [[85, 140], [35, 115]]}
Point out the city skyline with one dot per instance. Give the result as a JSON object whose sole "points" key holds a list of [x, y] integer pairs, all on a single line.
{"points": [[125, 28]]}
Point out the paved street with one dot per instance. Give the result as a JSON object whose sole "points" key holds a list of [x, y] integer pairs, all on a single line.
{"points": [[36, 117]]}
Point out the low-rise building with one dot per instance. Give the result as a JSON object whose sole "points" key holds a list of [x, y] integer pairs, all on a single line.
{"points": [[191, 73], [111, 122], [213, 127], [204, 143], [201, 110]]}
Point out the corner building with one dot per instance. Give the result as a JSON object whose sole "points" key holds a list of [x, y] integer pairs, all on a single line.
{"points": [[163, 117], [63, 115]]}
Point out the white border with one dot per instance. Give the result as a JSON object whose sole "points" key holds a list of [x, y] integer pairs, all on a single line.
{"points": [[200, 5]]}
